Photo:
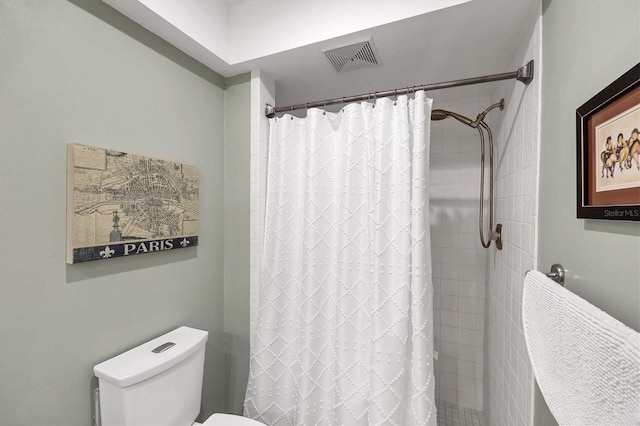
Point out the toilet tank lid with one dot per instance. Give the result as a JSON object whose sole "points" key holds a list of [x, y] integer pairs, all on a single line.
{"points": [[142, 362]]}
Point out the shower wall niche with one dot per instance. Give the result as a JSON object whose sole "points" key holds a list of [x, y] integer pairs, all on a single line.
{"points": [[459, 260]]}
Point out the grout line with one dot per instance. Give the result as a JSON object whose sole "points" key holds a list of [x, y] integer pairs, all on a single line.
{"points": [[452, 415]]}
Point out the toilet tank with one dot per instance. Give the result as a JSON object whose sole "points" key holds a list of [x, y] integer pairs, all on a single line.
{"points": [[156, 383]]}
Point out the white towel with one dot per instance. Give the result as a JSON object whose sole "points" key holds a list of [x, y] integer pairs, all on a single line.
{"points": [[586, 362]]}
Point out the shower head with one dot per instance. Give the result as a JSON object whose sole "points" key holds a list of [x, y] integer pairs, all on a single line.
{"points": [[438, 114], [441, 114]]}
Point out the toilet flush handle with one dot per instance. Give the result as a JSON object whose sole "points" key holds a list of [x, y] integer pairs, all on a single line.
{"points": [[163, 347]]}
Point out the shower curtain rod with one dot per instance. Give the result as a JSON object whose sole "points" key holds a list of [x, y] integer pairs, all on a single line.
{"points": [[523, 74]]}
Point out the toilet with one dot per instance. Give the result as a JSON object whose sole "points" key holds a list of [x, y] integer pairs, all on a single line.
{"points": [[158, 383]]}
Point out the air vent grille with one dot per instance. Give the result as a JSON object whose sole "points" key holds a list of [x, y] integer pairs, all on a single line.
{"points": [[353, 56]]}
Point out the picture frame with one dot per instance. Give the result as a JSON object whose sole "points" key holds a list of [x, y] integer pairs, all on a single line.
{"points": [[608, 151], [121, 204]]}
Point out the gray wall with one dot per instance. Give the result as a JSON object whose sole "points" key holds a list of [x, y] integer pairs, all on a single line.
{"points": [[586, 45], [78, 71], [236, 239]]}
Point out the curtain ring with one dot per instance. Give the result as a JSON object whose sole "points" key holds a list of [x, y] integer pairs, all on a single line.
{"points": [[395, 93], [324, 110]]}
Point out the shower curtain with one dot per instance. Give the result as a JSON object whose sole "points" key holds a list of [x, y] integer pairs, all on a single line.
{"points": [[345, 331]]}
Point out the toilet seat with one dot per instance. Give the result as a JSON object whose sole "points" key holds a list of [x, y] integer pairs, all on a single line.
{"points": [[220, 419]]}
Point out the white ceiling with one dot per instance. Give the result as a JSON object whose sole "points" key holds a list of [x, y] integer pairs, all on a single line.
{"points": [[418, 41]]}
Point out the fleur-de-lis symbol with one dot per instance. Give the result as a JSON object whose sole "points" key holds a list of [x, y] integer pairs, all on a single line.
{"points": [[107, 252], [184, 242]]}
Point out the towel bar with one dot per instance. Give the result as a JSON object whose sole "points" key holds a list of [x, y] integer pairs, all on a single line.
{"points": [[556, 274]]}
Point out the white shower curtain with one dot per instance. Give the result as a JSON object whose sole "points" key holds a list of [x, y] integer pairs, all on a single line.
{"points": [[345, 331]]}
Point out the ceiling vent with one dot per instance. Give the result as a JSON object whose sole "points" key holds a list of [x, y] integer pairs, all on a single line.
{"points": [[353, 56]]}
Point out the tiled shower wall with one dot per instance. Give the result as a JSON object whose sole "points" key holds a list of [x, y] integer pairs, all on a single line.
{"points": [[459, 260], [509, 386]]}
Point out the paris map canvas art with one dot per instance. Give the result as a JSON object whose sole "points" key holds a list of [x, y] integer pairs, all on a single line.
{"points": [[121, 204]]}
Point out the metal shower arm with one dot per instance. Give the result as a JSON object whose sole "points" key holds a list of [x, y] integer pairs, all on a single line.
{"points": [[484, 113]]}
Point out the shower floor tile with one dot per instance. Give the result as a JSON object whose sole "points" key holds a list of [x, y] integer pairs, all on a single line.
{"points": [[452, 415]]}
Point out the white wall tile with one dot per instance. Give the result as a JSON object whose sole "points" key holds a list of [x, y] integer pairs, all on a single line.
{"points": [[454, 197], [508, 384]]}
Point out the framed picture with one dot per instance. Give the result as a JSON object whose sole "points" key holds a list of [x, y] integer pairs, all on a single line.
{"points": [[122, 205], [608, 148]]}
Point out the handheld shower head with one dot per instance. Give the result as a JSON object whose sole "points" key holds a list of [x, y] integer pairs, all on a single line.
{"points": [[480, 125], [441, 114], [438, 114]]}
